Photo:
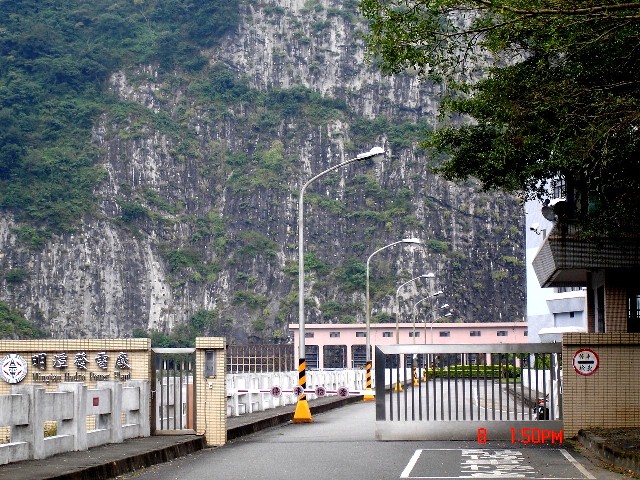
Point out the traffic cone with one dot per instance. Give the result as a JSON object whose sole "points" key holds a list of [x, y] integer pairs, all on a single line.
{"points": [[303, 412]]}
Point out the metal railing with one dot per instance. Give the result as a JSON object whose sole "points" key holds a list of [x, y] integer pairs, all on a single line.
{"points": [[260, 358], [173, 392], [453, 391]]}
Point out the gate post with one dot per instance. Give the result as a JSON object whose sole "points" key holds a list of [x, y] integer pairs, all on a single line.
{"points": [[210, 386]]}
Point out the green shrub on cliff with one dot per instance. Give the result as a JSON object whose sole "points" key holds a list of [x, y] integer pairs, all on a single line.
{"points": [[15, 326]]}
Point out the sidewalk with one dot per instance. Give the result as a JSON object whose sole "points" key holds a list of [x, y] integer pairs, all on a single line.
{"points": [[111, 460]]}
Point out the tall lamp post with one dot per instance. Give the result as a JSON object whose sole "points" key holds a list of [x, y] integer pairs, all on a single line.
{"points": [[430, 275], [415, 310], [368, 395], [424, 275], [303, 413]]}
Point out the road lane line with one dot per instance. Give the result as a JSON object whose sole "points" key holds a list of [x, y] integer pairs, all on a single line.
{"points": [[577, 464], [412, 463]]}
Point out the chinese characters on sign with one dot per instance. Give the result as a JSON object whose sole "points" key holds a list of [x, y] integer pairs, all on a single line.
{"points": [[81, 361], [102, 360], [60, 360], [122, 362], [39, 360], [585, 361], [13, 368]]}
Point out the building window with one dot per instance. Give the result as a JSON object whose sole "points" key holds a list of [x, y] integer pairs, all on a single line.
{"points": [[526, 333], [359, 355], [414, 334], [474, 333], [387, 334], [572, 314], [361, 334], [502, 333], [334, 334], [311, 356], [445, 334], [308, 334], [334, 356]]}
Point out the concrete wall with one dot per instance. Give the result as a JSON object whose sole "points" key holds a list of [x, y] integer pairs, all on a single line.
{"points": [[610, 397], [29, 407], [210, 415]]}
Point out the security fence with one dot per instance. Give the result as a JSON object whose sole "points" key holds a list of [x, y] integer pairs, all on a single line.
{"points": [[467, 391]]}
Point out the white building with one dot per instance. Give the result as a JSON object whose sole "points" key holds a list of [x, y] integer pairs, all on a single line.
{"points": [[548, 308]]}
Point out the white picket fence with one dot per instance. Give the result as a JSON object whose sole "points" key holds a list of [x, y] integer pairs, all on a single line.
{"points": [[249, 392]]}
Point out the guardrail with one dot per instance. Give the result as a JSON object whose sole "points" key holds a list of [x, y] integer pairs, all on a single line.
{"points": [[83, 418], [248, 392]]}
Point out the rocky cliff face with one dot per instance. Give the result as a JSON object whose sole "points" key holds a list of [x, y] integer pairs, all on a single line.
{"points": [[198, 206]]}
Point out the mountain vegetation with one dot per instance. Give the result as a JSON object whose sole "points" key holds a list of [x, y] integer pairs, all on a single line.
{"points": [[55, 59], [15, 326], [151, 154]]}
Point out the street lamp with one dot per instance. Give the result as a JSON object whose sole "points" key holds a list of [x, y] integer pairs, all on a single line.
{"points": [[415, 310], [414, 241], [302, 413], [424, 275]]}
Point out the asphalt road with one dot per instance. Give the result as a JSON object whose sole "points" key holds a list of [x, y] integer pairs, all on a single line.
{"points": [[341, 444]]}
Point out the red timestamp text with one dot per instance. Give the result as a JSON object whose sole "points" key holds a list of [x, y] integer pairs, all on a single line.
{"points": [[527, 436]]}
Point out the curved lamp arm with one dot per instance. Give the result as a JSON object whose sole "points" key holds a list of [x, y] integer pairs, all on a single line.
{"points": [[375, 152]]}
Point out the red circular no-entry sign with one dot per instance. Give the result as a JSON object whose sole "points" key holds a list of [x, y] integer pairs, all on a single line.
{"points": [[585, 361]]}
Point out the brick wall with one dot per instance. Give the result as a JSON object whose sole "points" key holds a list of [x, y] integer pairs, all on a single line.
{"points": [[610, 397]]}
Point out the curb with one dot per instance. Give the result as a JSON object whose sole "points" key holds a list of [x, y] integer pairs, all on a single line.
{"points": [[133, 462], [610, 453]]}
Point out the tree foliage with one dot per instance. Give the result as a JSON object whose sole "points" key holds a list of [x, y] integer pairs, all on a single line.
{"points": [[537, 91]]}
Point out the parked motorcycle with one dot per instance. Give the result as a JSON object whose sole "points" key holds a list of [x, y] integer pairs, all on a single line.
{"points": [[541, 410]]}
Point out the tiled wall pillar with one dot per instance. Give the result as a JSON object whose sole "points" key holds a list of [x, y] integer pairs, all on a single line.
{"points": [[211, 396], [610, 397]]}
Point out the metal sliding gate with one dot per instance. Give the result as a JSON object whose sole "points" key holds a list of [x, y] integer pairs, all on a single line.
{"points": [[173, 390], [469, 392]]}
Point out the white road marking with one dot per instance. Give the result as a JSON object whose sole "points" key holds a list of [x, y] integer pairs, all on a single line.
{"points": [[505, 461], [577, 464], [407, 470]]}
